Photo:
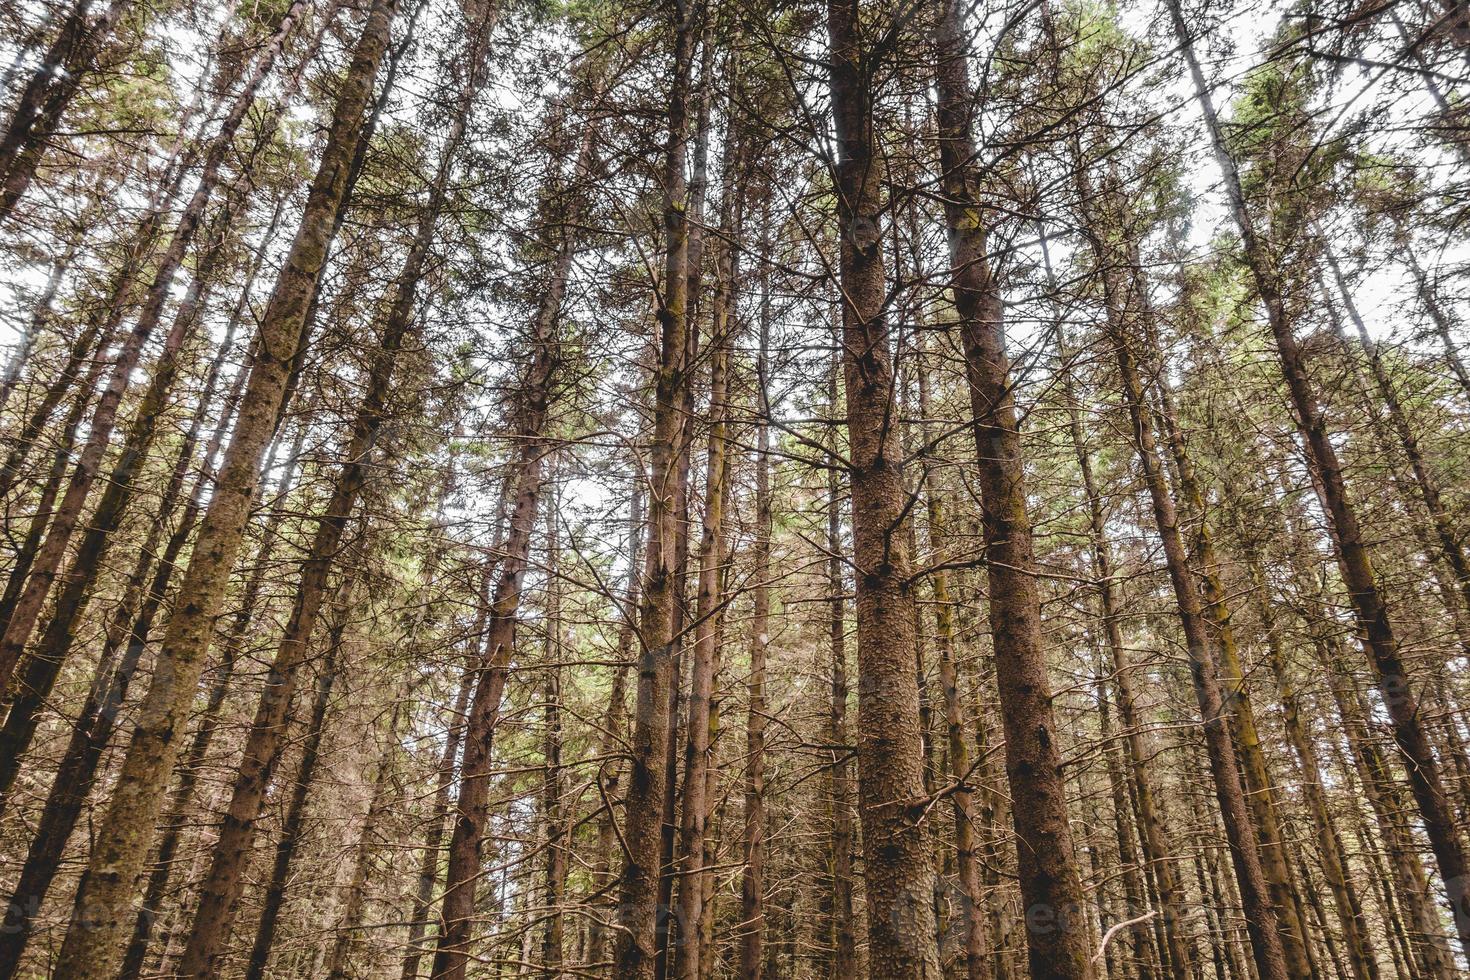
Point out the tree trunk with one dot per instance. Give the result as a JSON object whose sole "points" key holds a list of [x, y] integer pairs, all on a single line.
{"points": [[472, 808], [293, 825], [843, 930], [1051, 886], [637, 945], [897, 869], [752, 935], [1261, 922], [433, 846], [355, 901], [104, 899]]}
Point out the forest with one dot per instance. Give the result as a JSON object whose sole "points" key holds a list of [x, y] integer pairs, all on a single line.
{"points": [[761, 489]]}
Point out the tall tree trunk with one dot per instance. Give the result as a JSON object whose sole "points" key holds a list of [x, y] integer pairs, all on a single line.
{"points": [[433, 846], [40, 319], [558, 857], [294, 823], [472, 808], [1329, 844], [897, 870], [1051, 886], [610, 773], [224, 884], [843, 930], [1394, 678], [1155, 840], [191, 769], [104, 898], [695, 813], [354, 902], [752, 935], [637, 946]]}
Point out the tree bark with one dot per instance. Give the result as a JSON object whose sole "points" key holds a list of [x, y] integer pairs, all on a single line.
{"points": [[637, 946], [897, 870], [1394, 678], [1051, 886], [103, 903]]}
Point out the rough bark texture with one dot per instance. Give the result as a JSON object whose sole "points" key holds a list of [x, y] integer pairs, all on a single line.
{"points": [[1394, 679], [1051, 887], [897, 870], [638, 915], [104, 898]]}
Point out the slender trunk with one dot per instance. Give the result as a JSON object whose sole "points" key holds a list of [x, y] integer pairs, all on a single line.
{"points": [[40, 319], [91, 947], [433, 846], [1394, 678], [637, 947], [553, 940], [355, 900], [1329, 843], [1446, 534], [752, 934], [189, 772], [1441, 320], [842, 928], [1261, 921], [695, 813], [1158, 849], [294, 823], [1051, 886], [1260, 789], [610, 773], [472, 808]]}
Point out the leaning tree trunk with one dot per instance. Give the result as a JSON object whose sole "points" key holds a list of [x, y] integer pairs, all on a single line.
{"points": [[293, 825], [1048, 870], [224, 884], [1395, 680], [90, 948]]}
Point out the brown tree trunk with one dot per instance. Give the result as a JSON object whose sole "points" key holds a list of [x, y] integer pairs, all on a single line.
{"points": [[1154, 834], [293, 825], [1051, 886], [222, 888], [433, 846], [610, 773], [104, 899], [897, 869], [355, 899], [637, 946], [842, 929], [1395, 681], [752, 936], [1261, 922], [472, 808]]}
